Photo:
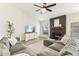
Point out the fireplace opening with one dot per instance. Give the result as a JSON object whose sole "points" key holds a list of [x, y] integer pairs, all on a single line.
{"points": [[57, 36]]}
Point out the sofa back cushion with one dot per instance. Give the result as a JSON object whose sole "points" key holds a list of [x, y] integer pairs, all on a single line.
{"points": [[4, 51], [65, 39], [56, 46]]}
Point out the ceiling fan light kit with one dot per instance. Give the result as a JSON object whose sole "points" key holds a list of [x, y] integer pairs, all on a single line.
{"points": [[43, 10]]}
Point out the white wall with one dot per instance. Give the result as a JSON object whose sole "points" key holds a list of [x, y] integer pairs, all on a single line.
{"points": [[42, 23], [74, 17], [20, 19]]}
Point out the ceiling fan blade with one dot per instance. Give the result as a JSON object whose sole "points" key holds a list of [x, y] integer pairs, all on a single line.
{"points": [[37, 5], [49, 10], [51, 5], [37, 10]]}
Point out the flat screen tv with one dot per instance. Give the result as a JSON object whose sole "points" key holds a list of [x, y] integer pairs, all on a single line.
{"points": [[29, 29]]}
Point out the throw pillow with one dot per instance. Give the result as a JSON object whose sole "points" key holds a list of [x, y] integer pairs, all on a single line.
{"points": [[5, 41], [1, 36], [12, 41], [65, 39]]}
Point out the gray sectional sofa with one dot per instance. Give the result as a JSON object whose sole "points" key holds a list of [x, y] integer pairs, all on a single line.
{"points": [[52, 49]]}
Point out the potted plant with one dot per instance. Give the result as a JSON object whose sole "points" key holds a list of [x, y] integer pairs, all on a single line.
{"points": [[10, 29]]}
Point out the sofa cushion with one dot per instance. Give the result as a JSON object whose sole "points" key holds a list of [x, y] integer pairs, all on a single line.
{"points": [[17, 47], [4, 51], [56, 46], [5, 41], [48, 52], [48, 42]]}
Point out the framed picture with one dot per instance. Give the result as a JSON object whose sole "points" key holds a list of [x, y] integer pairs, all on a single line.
{"points": [[45, 29], [56, 22]]}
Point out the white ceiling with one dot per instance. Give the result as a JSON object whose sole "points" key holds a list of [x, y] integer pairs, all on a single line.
{"points": [[59, 9]]}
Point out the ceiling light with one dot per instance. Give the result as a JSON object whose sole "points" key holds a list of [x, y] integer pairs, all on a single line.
{"points": [[43, 10]]}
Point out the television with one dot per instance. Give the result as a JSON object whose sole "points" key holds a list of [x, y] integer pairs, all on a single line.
{"points": [[29, 29]]}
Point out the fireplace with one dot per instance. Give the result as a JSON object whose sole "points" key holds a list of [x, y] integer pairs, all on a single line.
{"points": [[57, 31], [57, 36]]}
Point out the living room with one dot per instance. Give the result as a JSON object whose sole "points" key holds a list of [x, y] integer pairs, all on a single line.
{"points": [[49, 31]]}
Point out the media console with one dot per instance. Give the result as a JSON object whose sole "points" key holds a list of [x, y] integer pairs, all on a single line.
{"points": [[30, 36]]}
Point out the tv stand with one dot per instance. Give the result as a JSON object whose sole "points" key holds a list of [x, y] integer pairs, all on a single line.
{"points": [[30, 36]]}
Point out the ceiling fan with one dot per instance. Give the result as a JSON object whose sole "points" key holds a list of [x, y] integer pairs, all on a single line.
{"points": [[45, 7]]}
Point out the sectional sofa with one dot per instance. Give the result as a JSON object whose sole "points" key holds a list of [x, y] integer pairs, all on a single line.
{"points": [[55, 49]]}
